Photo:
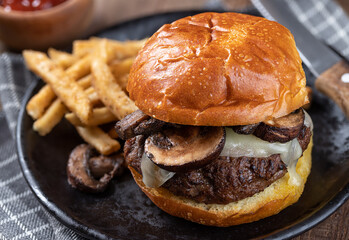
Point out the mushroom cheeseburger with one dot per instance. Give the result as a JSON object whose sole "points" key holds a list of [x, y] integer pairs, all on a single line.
{"points": [[220, 137]]}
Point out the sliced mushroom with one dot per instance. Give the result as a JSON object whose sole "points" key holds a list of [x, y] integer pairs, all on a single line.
{"points": [[281, 129], [245, 129], [91, 173], [149, 126], [125, 127], [182, 149], [137, 123], [101, 165]]}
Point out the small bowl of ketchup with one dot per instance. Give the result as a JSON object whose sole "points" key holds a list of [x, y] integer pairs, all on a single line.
{"points": [[40, 24]]}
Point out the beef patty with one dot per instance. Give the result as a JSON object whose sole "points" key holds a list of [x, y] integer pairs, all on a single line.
{"points": [[225, 179]]}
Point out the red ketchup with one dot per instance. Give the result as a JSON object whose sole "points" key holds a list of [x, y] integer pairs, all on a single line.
{"points": [[29, 5]]}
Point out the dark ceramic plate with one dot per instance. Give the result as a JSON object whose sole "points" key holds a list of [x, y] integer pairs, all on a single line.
{"points": [[124, 212]]}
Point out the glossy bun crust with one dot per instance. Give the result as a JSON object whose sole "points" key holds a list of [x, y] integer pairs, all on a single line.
{"points": [[218, 69], [270, 201]]}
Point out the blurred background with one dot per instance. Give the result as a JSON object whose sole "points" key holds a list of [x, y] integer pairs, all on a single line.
{"points": [[82, 18]]}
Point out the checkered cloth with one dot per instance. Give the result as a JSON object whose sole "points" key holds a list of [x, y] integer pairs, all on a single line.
{"points": [[21, 215], [325, 20]]}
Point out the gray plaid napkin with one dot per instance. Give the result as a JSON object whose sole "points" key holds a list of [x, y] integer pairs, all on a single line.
{"points": [[21, 215], [325, 20]]}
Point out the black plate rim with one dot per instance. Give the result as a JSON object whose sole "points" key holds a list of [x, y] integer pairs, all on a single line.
{"points": [[298, 228]]}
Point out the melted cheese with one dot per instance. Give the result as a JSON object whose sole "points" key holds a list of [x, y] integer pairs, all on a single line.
{"points": [[307, 121], [153, 176], [237, 145]]}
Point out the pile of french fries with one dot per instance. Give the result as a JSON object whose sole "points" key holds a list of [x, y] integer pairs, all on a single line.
{"points": [[87, 87]]}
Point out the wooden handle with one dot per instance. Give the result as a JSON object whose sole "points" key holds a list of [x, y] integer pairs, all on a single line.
{"points": [[334, 83]]}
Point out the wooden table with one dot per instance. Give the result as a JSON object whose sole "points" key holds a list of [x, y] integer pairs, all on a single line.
{"points": [[106, 14]]}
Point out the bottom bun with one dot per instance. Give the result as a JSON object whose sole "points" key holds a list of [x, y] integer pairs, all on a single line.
{"points": [[270, 201]]}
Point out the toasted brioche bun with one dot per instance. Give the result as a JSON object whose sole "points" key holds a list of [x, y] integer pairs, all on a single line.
{"points": [[218, 69], [270, 201]]}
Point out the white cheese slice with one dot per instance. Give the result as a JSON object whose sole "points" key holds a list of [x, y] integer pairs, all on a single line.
{"points": [[153, 176], [307, 121]]}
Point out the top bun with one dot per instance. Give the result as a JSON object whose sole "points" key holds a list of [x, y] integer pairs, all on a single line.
{"points": [[218, 69]]}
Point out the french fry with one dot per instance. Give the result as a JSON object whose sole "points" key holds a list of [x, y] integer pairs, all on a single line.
{"points": [[78, 90], [83, 47], [99, 47], [92, 95], [51, 118], [99, 116], [40, 101], [112, 133], [90, 90], [123, 49], [85, 82], [122, 81], [131, 48], [105, 51], [94, 98], [80, 68], [116, 49], [69, 92], [63, 59], [99, 139], [109, 91], [120, 70], [121, 67]]}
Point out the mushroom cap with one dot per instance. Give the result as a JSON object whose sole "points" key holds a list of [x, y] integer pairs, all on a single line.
{"points": [[218, 69], [282, 129], [182, 149], [79, 172]]}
